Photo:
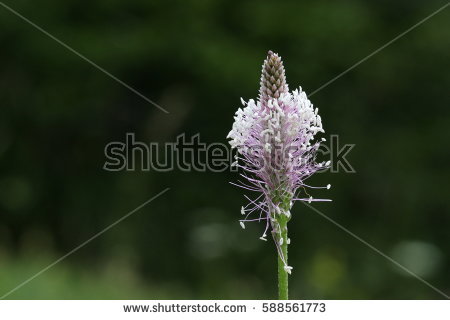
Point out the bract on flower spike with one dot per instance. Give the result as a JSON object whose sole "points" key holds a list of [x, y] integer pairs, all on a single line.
{"points": [[274, 137]]}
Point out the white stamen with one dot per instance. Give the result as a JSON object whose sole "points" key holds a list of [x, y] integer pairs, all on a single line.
{"points": [[269, 131], [242, 210], [310, 199], [288, 269], [328, 186], [288, 241], [242, 224]]}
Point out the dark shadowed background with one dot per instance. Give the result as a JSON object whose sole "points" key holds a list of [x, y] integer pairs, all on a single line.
{"points": [[196, 59]]}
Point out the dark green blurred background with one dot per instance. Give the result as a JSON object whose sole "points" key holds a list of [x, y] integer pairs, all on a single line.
{"points": [[196, 59]]}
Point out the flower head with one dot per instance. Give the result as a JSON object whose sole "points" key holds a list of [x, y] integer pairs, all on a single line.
{"points": [[274, 137]]}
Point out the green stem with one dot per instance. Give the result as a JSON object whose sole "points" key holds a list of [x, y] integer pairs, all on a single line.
{"points": [[280, 234], [282, 274]]}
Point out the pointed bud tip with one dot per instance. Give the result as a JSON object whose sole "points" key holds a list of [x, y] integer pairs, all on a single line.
{"points": [[273, 79], [271, 54]]}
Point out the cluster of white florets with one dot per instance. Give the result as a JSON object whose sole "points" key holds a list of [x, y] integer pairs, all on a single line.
{"points": [[290, 119], [274, 137]]}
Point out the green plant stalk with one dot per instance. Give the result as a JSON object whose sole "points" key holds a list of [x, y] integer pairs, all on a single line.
{"points": [[283, 281]]}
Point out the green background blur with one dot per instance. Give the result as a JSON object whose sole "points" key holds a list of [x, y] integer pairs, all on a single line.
{"points": [[196, 59]]}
